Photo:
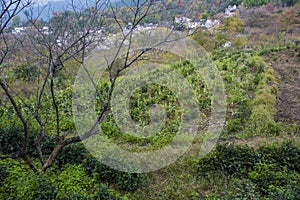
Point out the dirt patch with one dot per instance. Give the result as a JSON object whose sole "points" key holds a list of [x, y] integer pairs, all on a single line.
{"points": [[287, 67], [258, 141]]}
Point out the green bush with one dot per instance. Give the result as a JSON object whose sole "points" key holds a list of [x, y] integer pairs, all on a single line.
{"points": [[244, 189], [262, 119], [287, 155], [27, 72], [11, 139], [46, 187], [77, 154], [73, 180], [235, 159], [3, 173], [262, 122], [20, 182], [124, 181], [256, 64], [129, 181], [234, 125], [47, 145], [74, 153], [231, 159], [103, 192], [269, 172], [271, 179]]}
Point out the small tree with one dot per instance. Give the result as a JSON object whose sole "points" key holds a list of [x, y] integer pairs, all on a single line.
{"points": [[69, 36], [8, 10]]}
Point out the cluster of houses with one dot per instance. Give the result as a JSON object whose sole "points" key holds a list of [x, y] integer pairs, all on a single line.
{"points": [[18, 30], [22, 30], [180, 23], [187, 23], [145, 27], [192, 24]]}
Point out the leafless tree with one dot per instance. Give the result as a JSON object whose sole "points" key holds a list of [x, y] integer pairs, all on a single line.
{"points": [[71, 35], [8, 10]]}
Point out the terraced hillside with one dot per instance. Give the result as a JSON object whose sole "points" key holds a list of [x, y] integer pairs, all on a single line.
{"points": [[286, 63]]}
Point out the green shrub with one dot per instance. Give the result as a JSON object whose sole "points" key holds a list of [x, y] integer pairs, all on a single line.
{"points": [[11, 139], [262, 122], [103, 192], [285, 155], [73, 180], [236, 159], [74, 153], [77, 154], [269, 172], [262, 119], [26, 72], [289, 155], [234, 125], [231, 159], [46, 187], [286, 193], [3, 173], [129, 181], [244, 189], [47, 145], [20, 183], [124, 181], [256, 64], [271, 178], [71, 183]]}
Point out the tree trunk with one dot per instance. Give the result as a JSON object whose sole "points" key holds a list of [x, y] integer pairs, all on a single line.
{"points": [[52, 157]]}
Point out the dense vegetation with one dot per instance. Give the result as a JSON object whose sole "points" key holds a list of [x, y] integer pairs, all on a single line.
{"points": [[268, 172], [258, 153]]}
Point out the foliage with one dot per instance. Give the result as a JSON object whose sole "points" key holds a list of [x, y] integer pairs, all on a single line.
{"points": [[253, 3], [72, 154], [78, 155], [231, 159], [244, 189], [26, 72], [251, 89], [47, 145], [287, 154], [268, 172], [129, 181], [204, 40], [240, 42], [73, 180], [123, 180], [103, 192], [20, 183], [271, 179], [3, 173], [262, 120], [11, 139], [70, 183], [233, 24]]}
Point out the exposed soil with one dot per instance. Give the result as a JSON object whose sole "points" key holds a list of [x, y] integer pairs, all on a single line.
{"points": [[287, 67]]}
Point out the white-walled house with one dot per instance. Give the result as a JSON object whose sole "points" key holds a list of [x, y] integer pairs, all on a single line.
{"points": [[18, 30]]}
